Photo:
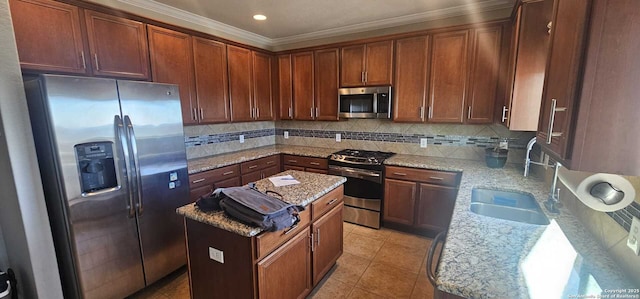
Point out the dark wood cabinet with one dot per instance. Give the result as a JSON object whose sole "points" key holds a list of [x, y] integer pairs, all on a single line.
{"points": [[49, 37], [309, 164], [411, 77], [259, 168], [285, 87], [419, 199], [369, 64], [286, 273], [448, 76], [117, 46], [210, 60], [327, 248], [326, 84], [172, 62], [527, 63], [239, 63], [205, 182], [484, 72], [302, 72], [262, 86]]}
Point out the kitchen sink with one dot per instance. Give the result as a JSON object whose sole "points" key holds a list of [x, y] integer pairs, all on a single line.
{"points": [[507, 205]]}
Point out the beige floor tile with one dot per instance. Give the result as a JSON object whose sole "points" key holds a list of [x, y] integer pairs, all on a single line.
{"points": [[377, 234], [349, 268], [409, 240], [359, 293], [331, 288], [177, 288], [362, 246], [423, 288], [348, 227], [401, 256], [387, 281]]}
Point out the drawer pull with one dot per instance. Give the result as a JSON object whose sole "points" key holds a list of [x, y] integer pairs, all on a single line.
{"points": [[436, 178], [314, 163], [253, 166], [197, 181], [270, 162], [332, 201], [292, 228], [228, 173], [292, 161], [400, 173]]}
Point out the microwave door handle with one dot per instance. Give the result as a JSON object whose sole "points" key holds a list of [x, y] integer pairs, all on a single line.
{"points": [[375, 103]]}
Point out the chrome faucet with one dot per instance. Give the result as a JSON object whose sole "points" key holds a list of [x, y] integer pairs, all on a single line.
{"points": [[553, 202]]}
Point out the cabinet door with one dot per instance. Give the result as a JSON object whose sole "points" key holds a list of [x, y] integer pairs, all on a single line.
{"points": [[327, 234], [399, 201], [302, 68], [286, 273], [270, 171], [172, 62], [195, 193], [240, 90], [285, 86], [448, 78], [483, 79], [262, 86], [326, 84], [562, 75], [378, 63], [435, 206], [252, 177], [352, 68], [412, 63], [118, 47], [48, 36], [210, 58]]}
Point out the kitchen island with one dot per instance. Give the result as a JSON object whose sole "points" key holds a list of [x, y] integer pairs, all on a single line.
{"points": [[229, 259]]}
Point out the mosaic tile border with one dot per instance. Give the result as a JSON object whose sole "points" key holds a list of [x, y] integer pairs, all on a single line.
{"points": [[624, 216], [226, 137]]}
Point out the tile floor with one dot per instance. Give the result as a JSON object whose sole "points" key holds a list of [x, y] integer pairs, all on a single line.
{"points": [[375, 264]]}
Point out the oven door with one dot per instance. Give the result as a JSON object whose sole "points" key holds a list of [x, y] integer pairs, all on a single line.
{"points": [[362, 195]]}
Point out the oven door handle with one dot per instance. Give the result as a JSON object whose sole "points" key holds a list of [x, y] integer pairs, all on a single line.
{"points": [[355, 173]]}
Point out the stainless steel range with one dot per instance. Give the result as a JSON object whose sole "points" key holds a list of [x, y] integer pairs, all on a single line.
{"points": [[363, 189]]}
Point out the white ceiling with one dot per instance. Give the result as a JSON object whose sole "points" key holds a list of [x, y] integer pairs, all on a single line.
{"points": [[300, 20]]}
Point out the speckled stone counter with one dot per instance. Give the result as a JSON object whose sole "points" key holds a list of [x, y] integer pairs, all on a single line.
{"points": [[487, 257], [213, 162], [312, 186]]}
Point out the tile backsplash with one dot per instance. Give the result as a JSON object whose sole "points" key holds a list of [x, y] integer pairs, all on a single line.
{"points": [[444, 140]]}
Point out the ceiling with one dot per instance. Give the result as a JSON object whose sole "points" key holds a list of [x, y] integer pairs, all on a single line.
{"points": [[299, 20]]}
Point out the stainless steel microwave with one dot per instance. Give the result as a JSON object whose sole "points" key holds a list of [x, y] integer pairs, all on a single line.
{"points": [[365, 102]]}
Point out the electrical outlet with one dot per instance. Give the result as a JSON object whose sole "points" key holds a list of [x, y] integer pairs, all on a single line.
{"points": [[423, 142], [634, 236], [241, 138], [286, 134], [216, 255], [338, 137]]}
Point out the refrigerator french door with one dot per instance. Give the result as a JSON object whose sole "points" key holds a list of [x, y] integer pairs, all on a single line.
{"points": [[113, 164]]}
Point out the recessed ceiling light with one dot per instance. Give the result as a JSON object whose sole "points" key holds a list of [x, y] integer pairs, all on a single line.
{"points": [[260, 17]]}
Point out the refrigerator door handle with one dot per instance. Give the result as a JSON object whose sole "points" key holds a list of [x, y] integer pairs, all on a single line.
{"points": [[123, 150], [134, 149]]}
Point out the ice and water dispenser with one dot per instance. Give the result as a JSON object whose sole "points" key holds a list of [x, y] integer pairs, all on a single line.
{"points": [[96, 166]]}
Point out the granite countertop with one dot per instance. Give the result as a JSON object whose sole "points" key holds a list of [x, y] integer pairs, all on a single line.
{"points": [[312, 186], [217, 161], [487, 257]]}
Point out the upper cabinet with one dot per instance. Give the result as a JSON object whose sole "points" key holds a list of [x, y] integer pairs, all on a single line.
{"points": [[326, 84], [369, 64], [210, 62], [527, 63], [285, 88], [589, 118], [262, 86], [448, 76], [117, 46], [48, 36], [172, 62], [483, 76], [302, 73], [411, 77], [240, 89]]}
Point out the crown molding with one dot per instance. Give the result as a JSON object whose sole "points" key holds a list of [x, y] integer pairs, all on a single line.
{"points": [[232, 32]]}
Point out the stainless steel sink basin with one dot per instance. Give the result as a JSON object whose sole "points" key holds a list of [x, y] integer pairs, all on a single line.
{"points": [[507, 205]]}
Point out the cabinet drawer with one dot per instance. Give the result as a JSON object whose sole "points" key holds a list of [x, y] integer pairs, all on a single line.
{"points": [[423, 175], [268, 241], [327, 202], [318, 163], [212, 176], [258, 164]]}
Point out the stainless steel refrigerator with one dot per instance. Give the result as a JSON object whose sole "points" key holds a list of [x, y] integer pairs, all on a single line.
{"points": [[113, 165]]}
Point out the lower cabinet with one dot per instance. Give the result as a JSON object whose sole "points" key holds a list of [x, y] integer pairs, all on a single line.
{"points": [[308, 164], [419, 199], [205, 182], [327, 232]]}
